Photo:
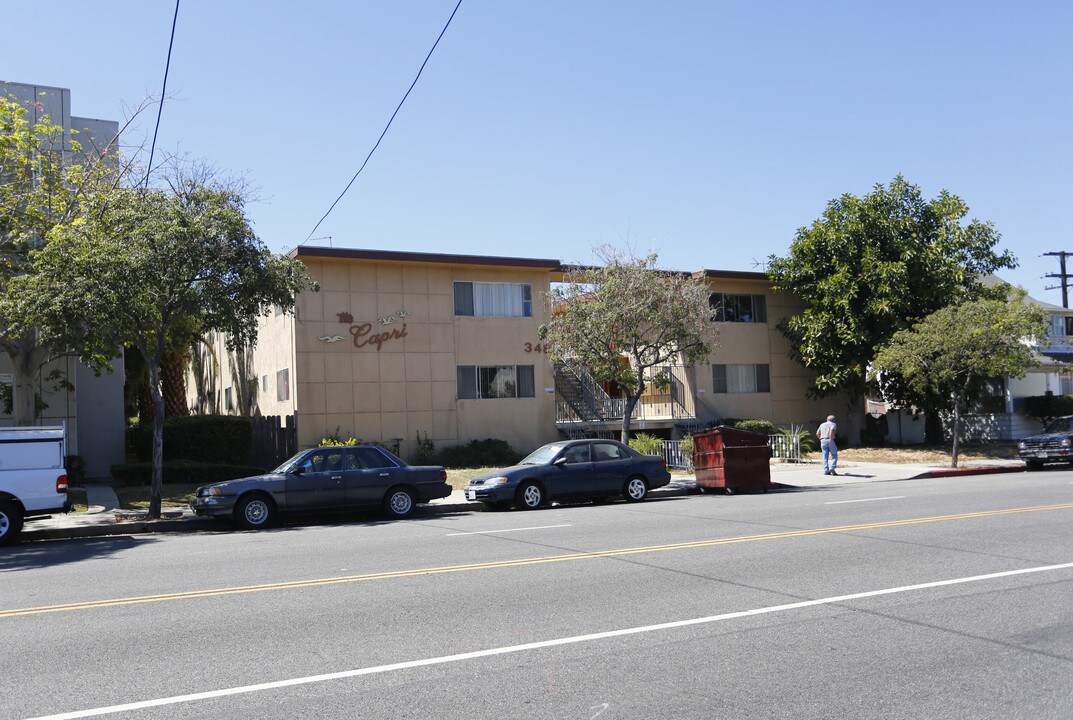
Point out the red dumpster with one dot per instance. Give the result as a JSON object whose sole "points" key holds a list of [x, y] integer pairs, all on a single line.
{"points": [[732, 459]]}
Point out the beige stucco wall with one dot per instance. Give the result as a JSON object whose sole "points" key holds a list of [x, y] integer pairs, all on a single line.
{"points": [[758, 344], [407, 386]]}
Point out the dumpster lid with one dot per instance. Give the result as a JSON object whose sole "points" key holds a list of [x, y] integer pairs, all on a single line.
{"points": [[734, 437]]}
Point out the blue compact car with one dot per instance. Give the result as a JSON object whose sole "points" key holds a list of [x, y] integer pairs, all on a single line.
{"points": [[571, 470]]}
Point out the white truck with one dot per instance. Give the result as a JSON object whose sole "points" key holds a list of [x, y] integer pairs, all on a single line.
{"points": [[33, 481]]}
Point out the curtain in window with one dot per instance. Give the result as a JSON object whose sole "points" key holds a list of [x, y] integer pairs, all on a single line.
{"points": [[467, 382], [525, 381], [741, 378], [463, 298]]}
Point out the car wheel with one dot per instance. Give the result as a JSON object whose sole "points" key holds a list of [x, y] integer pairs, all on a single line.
{"points": [[530, 496], [1034, 464], [254, 512], [399, 503], [10, 522], [636, 489]]}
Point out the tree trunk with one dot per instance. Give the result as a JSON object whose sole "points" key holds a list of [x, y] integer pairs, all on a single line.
{"points": [[631, 403], [957, 433], [173, 383], [157, 488], [27, 357]]}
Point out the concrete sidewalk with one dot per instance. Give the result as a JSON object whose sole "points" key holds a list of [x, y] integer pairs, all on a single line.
{"points": [[104, 517]]}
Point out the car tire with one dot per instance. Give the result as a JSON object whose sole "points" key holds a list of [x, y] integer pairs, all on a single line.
{"points": [[399, 503], [1032, 465], [254, 512], [635, 489], [10, 522], [530, 496]]}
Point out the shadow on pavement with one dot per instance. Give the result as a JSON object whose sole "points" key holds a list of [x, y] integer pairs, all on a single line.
{"points": [[50, 553]]}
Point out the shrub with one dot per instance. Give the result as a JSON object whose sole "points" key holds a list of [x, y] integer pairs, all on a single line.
{"points": [[181, 471], [765, 427], [687, 446], [1047, 407], [220, 439], [478, 453], [647, 444], [425, 454]]}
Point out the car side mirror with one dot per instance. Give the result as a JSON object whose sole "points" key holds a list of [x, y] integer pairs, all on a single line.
{"points": [[300, 470], [560, 461]]}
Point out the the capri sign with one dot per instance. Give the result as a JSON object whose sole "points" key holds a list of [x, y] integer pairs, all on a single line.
{"points": [[369, 334]]}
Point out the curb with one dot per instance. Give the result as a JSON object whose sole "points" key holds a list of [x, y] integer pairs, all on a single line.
{"points": [[977, 470], [193, 523]]}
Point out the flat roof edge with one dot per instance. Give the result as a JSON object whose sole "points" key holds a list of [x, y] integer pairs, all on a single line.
{"points": [[418, 257]]}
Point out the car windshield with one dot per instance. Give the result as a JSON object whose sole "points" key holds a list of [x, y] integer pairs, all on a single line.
{"points": [[1062, 424], [542, 455], [290, 463]]}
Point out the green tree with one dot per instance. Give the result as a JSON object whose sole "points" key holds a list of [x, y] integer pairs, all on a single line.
{"points": [[627, 308], [150, 262], [873, 265], [45, 181], [954, 351]]}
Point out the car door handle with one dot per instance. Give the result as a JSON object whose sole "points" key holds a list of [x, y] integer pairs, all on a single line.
{"points": [[384, 474], [337, 477]]}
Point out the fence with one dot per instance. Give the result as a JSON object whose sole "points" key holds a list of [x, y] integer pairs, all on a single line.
{"points": [[274, 440], [783, 447]]}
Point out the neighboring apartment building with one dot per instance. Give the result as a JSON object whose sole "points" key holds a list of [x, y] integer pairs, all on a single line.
{"points": [[399, 346], [90, 406]]}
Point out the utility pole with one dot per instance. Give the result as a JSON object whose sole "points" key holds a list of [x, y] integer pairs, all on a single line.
{"points": [[1061, 254]]}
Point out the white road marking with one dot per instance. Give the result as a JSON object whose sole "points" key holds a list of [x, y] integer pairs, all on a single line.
{"points": [[444, 659], [843, 502], [489, 532]]}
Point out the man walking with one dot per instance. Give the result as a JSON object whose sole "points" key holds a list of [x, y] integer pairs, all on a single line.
{"points": [[826, 435]]}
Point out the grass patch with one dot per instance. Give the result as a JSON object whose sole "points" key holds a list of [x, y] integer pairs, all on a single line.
{"points": [[928, 454], [173, 495], [458, 477]]}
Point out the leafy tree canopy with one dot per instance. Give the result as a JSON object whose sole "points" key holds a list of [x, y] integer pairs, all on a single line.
{"points": [[626, 308], [955, 350], [872, 265], [145, 264]]}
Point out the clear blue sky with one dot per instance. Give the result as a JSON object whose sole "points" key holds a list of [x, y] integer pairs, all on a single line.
{"points": [[707, 131]]}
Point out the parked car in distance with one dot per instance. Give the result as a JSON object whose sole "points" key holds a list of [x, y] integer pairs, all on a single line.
{"points": [[1054, 444], [324, 478], [571, 470]]}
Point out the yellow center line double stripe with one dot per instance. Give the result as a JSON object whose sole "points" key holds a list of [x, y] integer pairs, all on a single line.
{"points": [[218, 592]]}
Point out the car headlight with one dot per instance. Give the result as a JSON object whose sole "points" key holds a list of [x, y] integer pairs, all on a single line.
{"points": [[496, 481], [1066, 442], [1022, 445], [207, 491]]}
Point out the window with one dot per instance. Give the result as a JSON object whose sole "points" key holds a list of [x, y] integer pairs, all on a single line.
{"points": [[604, 452], [229, 404], [741, 379], [577, 454], [372, 459], [264, 383], [493, 299], [738, 308], [1066, 387], [993, 396], [1068, 321], [478, 382], [283, 385]]}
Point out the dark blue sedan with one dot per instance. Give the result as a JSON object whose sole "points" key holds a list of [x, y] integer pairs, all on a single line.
{"points": [[571, 470]]}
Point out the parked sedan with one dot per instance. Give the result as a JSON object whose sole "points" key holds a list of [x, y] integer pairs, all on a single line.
{"points": [[571, 470], [327, 478], [1054, 444]]}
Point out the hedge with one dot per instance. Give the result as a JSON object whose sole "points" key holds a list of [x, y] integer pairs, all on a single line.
{"points": [[219, 439], [489, 452], [182, 471]]}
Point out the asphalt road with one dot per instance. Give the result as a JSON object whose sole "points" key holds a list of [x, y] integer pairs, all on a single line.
{"points": [[940, 598]]}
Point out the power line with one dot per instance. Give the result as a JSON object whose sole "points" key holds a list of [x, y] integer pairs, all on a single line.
{"points": [[163, 91], [420, 70]]}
